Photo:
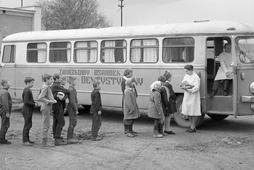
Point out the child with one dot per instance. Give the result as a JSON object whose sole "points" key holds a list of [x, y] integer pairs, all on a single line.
{"points": [[96, 110], [47, 99], [172, 103], [6, 104], [60, 94], [131, 111], [28, 108], [72, 110], [155, 110]]}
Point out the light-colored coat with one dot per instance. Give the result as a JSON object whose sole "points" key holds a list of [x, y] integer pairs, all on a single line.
{"points": [[191, 100], [225, 62], [131, 110], [155, 106]]}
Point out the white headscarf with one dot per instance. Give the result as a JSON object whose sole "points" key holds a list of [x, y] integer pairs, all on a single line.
{"points": [[155, 85]]}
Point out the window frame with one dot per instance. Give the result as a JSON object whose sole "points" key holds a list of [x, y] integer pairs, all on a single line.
{"points": [[124, 47], [70, 48], [46, 49], [177, 46], [13, 53], [85, 48], [142, 47]]}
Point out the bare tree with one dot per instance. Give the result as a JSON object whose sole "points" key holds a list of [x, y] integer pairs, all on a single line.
{"points": [[71, 14]]}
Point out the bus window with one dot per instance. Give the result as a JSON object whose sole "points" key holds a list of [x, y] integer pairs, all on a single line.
{"points": [[60, 52], [85, 52], [178, 50], [144, 51], [113, 51], [9, 54], [36, 52], [245, 49]]}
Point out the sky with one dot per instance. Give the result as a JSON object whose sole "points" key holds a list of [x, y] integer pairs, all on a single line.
{"points": [[149, 12]]}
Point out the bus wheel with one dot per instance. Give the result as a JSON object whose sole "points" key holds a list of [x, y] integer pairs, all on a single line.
{"points": [[217, 117], [182, 120]]}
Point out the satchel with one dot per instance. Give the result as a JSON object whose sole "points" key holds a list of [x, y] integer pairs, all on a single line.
{"points": [[2, 110]]}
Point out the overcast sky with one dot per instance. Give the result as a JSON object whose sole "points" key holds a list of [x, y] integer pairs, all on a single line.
{"points": [[144, 12]]}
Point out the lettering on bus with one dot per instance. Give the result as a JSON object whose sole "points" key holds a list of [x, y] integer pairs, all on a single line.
{"points": [[105, 76]]}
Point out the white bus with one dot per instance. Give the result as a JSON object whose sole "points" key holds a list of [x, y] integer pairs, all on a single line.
{"points": [[103, 54]]}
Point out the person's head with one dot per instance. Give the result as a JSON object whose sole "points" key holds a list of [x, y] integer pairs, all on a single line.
{"points": [[227, 47], [96, 85], [29, 81], [128, 73], [162, 79], [48, 79], [57, 77], [167, 75], [155, 86], [5, 84], [188, 69], [72, 81]]}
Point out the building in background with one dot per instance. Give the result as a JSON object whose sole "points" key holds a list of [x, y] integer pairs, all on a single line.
{"points": [[13, 20]]}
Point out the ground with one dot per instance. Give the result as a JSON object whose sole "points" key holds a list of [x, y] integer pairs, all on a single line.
{"points": [[222, 145]]}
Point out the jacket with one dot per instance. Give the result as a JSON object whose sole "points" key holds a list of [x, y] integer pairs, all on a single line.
{"points": [[155, 105], [131, 110], [96, 101]]}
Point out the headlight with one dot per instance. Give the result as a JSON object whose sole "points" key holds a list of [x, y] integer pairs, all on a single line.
{"points": [[252, 87]]}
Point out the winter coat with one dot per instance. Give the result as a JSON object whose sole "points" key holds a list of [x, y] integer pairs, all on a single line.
{"points": [[155, 105], [131, 110]]}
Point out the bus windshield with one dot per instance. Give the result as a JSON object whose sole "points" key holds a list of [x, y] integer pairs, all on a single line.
{"points": [[245, 49]]}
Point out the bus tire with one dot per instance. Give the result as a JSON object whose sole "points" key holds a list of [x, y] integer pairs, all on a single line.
{"points": [[217, 117], [182, 120]]}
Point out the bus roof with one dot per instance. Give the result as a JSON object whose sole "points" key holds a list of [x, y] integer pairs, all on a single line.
{"points": [[198, 27]]}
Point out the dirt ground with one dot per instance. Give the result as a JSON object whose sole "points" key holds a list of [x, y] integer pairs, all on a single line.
{"points": [[223, 145]]}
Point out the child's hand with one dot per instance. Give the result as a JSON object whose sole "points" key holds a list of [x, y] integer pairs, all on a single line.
{"points": [[99, 112]]}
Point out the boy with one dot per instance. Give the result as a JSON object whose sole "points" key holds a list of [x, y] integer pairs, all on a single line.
{"points": [[96, 111], [6, 104], [46, 99], [28, 107], [72, 110], [60, 94]]}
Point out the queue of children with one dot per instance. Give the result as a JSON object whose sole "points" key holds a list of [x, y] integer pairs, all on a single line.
{"points": [[52, 96]]}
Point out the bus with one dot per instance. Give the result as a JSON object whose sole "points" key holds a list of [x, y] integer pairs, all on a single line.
{"points": [[104, 53]]}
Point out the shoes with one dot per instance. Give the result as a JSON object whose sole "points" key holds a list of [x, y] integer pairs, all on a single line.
{"points": [[72, 141], [98, 138], [5, 142], [129, 134], [27, 143], [134, 133], [32, 142], [59, 142], [169, 132], [158, 136], [191, 130]]}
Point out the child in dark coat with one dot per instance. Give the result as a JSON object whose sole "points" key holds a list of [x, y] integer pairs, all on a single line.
{"points": [[6, 105], [72, 110], [171, 105], [95, 110], [28, 108]]}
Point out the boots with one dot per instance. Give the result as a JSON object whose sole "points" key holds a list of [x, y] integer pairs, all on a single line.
{"points": [[59, 142], [129, 133], [44, 142]]}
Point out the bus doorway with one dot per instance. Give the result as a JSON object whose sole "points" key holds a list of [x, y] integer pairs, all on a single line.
{"points": [[219, 77]]}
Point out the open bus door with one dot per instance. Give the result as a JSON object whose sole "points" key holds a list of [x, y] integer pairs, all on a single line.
{"points": [[218, 105], [245, 70]]}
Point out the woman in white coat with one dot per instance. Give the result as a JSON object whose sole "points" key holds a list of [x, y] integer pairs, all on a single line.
{"points": [[191, 100]]}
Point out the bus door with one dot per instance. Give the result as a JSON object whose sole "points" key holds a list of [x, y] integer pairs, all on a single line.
{"points": [[219, 102], [8, 67], [245, 75]]}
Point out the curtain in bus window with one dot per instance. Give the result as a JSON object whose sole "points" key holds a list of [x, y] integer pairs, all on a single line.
{"points": [[81, 54], [109, 56], [150, 54], [136, 52], [41, 53], [8, 55]]}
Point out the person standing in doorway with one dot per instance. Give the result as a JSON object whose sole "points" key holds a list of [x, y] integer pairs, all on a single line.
{"points": [[191, 100]]}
